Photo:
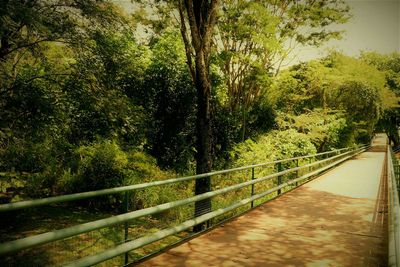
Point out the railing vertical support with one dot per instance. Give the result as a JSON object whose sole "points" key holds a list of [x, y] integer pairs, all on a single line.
{"points": [[279, 177], [252, 186], [126, 224], [127, 195], [297, 172], [397, 174]]}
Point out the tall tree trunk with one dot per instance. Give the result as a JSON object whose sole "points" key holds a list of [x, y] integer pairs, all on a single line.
{"points": [[203, 156], [200, 16]]}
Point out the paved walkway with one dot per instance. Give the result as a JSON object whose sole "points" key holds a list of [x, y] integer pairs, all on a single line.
{"points": [[338, 219]]}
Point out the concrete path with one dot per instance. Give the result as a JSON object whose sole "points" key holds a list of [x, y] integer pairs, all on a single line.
{"points": [[338, 219]]}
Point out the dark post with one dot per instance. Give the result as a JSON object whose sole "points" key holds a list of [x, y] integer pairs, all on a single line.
{"points": [[297, 172], [397, 175], [126, 230], [252, 186], [279, 177]]}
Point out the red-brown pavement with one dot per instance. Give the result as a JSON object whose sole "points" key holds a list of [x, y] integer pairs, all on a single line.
{"points": [[338, 219]]}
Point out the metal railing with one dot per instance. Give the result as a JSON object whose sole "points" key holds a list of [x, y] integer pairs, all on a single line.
{"points": [[288, 174], [393, 167]]}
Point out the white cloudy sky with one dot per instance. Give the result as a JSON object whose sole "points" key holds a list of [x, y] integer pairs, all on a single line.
{"points": [[375, 26]]}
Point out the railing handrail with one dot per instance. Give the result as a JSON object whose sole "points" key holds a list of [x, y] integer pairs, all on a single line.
{"points": [[148, 239], [96, 193], [394, 212], [52, 236]]}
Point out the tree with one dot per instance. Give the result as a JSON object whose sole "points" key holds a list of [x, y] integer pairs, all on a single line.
{"points": [[334, 85], [28, 25], [38, 42], [99, 85], [64, 68], [365, 86], [242, 53], [201, 17], [254, 38], [168, 98], [390, 66]]}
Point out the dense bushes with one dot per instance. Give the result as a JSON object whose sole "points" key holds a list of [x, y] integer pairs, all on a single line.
{"points": [[326, 129], [105, 165], [94, 108], [273, 146], [101, 165], [340, 99]]}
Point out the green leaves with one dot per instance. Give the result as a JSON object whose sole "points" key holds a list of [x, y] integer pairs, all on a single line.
{"points": [[254, 38], [307, 21], [347, 88], [326, 129], [168, 98], [272, 146], [390, 66]]}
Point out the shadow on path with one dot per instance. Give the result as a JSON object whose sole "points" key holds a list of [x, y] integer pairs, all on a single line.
{"points": [[339, 219]]}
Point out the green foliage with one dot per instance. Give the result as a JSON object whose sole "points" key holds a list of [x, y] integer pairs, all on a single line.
{"points": [[105, 165], [366, 103], [168, 99], [39, 185], [361, 91], [143, 168], [326, 130], [98, 89], [97, 166], [343, 87], [22, 155], [272, 146], [63, 78], [301, 88], [84, 106], [390, 66], [101, 166]]}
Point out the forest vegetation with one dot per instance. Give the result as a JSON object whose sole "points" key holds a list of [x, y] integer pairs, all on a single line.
{"points": [[93, 97]]}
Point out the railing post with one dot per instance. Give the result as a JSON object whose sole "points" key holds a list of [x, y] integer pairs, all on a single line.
{"points": [[252, 186], [279, 177], [297, 172], [397, 174], [126, 224]]}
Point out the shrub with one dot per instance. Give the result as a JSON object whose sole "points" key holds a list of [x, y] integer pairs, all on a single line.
{"points": [[143, 168], [102, 165], [272, 146], [106, 165]]}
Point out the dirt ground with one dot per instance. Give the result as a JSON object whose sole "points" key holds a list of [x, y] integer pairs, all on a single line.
{"points": [[338, 219]]}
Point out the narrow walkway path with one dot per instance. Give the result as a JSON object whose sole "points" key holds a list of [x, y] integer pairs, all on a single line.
{"points": [[338, 219]]}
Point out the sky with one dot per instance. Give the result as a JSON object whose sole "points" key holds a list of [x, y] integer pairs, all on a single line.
{"points": [[375, 26]]}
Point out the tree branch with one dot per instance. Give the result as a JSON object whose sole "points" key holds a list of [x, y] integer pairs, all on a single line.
{"points": [[196, 39], [188, 50]]}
